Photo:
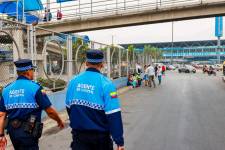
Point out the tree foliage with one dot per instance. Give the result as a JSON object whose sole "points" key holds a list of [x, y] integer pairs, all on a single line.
{"points": [[82, 47], [154, 52], [131, 53]]}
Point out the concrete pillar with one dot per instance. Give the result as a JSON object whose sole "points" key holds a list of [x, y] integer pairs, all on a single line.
{"points": [[18, 37], [33, 48], [17, 52], [108, 63], [69, 57]]}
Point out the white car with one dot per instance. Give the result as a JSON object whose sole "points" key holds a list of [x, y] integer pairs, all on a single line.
{"points": [[176, 65], [218, 67], [171, 67], [187, 69]]}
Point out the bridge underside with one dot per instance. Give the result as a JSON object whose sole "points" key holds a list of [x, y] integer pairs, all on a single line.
{"points": [[130, 19]]}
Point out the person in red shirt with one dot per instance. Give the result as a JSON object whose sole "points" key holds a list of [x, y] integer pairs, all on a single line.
{"points": [[163, 70], [59, 15]]}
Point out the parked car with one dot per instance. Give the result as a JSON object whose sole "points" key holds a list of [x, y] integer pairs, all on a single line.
{"points": [[176, 65], [200, 66], [187, 69], [197, 66], [170, 67], [218, 67]]}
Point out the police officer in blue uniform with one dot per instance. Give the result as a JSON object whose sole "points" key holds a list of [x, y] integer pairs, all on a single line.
{"points": [[22, 103], [93, 108]]}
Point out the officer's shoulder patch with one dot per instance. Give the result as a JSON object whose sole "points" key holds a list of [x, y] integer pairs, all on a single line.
{"points": [[113, 94], [43, 91]]}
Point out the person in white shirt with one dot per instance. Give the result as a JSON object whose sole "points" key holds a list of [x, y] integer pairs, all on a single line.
{"points": [[138, 68], [145, 77], [159, 74], [151, 74]]}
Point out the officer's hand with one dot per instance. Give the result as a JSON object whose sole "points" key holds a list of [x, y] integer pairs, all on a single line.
{"points": [[3, 143], [61, 124], [120, 148]]}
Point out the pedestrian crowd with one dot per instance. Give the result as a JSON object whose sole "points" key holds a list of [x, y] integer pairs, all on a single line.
{"points": [[146, 76]]}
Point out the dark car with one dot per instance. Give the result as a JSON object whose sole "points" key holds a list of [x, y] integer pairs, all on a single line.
{"points": [[187, 69]]}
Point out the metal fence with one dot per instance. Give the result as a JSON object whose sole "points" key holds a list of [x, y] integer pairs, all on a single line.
{"points": [[13, 43], [57, 56]]}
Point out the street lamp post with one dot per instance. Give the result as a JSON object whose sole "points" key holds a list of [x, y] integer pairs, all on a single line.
{"points": [[218, 49], [171, 59], [91, 7], [79, 7], [60, 7], [48, 8]]}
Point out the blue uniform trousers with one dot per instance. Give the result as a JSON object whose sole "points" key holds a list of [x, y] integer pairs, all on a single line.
{"points": [[22, 140], [89, 140]]}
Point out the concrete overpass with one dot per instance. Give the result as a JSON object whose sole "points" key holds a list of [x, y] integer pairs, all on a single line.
{"points": [[145, 15]]}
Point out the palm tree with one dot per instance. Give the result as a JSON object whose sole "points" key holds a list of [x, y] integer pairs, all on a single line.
{"points": [[132, 54], [154, 52], [81, 55]]}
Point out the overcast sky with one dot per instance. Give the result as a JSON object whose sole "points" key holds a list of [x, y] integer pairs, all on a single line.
{"points": [[199, 29]]}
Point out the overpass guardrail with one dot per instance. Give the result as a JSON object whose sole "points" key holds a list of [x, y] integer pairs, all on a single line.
{"points": [[79, 9]]}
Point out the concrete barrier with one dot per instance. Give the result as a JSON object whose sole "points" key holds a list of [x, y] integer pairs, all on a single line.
{"points": [[120, 82], [58, 98]]}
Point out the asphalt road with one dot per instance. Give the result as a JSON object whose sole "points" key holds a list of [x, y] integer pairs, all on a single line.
{"points": [[186, 112]]}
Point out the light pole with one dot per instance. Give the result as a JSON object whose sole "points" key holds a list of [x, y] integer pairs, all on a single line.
{"points": [[47, 10], [171, 59], [218, 50], [91, 6], [60, 7], [79, 7]]}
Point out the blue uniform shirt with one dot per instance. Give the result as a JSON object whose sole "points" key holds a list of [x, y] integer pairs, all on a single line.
{"points": [[23, 98], [93, 105]]}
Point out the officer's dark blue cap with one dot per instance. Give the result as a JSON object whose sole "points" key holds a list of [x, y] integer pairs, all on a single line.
{"points": [[94, 56], [24, 65]]}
